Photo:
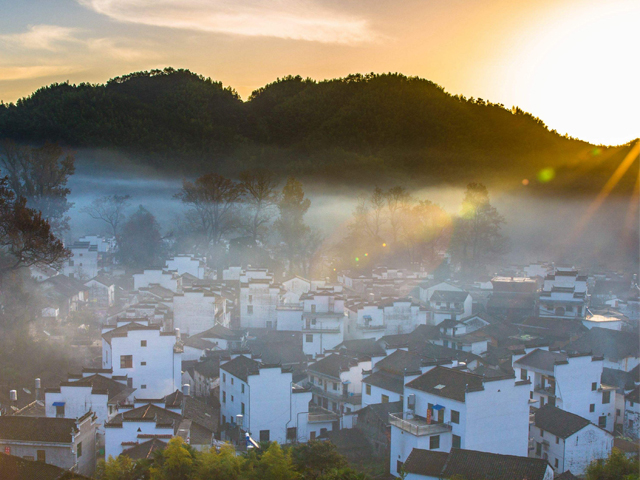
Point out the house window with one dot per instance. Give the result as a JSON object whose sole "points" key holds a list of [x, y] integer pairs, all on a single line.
{"points": [[617, 412], [594, 386], [242, 408], [232, 398], [41, 456], [542, 433], [556, 463], [538, 449], [309, 338], [250, 309], [224, 397], [335, 386], [79, 449], [250, 298], [143, 387], [264, 435], [542, 401], [126, 361], [606, 397], [312, 435], [399, 465], [557, 439], [368, 389], [434, 442], [523, 374], [60, 411], [143, 363], [143, 343], [243, 388], [455, 416], [456, 441], [224, 419], [602, 421], [231, 380], [592, 408], [224, 377], [292, 434], [384, 399]]}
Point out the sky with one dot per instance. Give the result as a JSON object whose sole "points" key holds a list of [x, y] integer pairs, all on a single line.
{"points": [[573, 63]]}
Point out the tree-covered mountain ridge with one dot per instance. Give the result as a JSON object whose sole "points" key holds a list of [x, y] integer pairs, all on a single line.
{"points": [[361, 129]]}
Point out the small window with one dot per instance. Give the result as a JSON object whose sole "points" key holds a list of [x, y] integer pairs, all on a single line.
{"points": [[242, 408], [592, 408], [617, 412], [538, 449], [143, 343], [456, 441], [126, 361], [292, 434], [231, 380], [542, 433], [594, 386], [455, 416], [224, 397], [143, 363], [542, 401], [368, 389], [384, 399], [335, 386], [602, 421], [143, 387], [556, 463], [224, 377], [313, 309], [79, 449], [399, 466], [264, 435], [523, 374], [557, 439], [243, 388], [250, 298], [232, 398], [434, 442], [606, 396], [312, 435], [60, 411], [308, 338], [250, 309], [41, 456], [224, 419]]}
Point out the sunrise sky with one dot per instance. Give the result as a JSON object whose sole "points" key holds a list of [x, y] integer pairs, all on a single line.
{"points": [[573, 63]]}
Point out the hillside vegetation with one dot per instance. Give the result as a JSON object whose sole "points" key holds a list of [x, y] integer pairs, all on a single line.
{"points": [[357, 129]]}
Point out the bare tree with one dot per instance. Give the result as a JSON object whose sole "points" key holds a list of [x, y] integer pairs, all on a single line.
{"points": [[398, 200], [260, 189], [110, 210]]}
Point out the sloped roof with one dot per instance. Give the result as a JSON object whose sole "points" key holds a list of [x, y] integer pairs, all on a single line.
{"points": [[63, 286], [382, 410], [209, 368], [241, 367], [145, 412], [37, 429], [100, 383], [333, 365], [400, 362], [634, 395], [559, 422], [393, 383], [447, 382], [283, 353], [17, 468], [144, 451], [623, 381], [448, 296], [362, 347], [612, 344], [474, 465], [127, 327], [541, 360], [425, 462]]}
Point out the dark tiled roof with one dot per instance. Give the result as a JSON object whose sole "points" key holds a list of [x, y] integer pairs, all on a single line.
{"points": [[202, 414], [425, 462], [393, 383], [447, 382], [144, 451], [241, 367], [431, 352], [209, 368], [541, 360], [333, 365], [362, 347], [623, 381], [145, 413], [16, 468], [448, 296], [553, 327], [37, 429], [400, 362], [566, 476], [220, 331], [382, 410], [633, 396], [473, 465], [116, 390], [124, 329], [559, 422], [612, 344], [283, 353], [64, 286]]}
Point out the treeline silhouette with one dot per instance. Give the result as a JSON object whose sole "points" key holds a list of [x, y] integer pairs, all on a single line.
{"points": [[361, 128]]}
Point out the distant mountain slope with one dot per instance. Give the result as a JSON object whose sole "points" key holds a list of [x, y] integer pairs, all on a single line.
{"points": [[361, 128]]}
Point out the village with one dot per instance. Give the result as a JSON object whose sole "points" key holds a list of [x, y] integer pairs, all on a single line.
{"points": [[533, 372]]}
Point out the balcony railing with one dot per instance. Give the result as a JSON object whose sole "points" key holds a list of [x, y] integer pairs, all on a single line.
{"points": [[418, 426], [320, 329], [371, 328], [548, 390], [322, 417]]}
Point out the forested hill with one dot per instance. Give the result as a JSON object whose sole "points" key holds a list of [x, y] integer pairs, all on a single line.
{"points": [[360, 128]]}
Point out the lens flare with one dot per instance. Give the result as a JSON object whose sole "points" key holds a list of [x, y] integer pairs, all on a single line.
{"points": [[525, 182], [546, 175]]}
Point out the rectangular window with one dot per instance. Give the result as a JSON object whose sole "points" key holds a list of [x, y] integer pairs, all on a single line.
{"points": [[79, 449], [538, 449], [399, 465], [384, 399], [592, 408], [264, 435], [250, 309], [606, 397], [126, 361], [368, 389], [308, 338], [224, 397], [617, 412], [143, 387], [542, 433], [243, 388], [224, 377], [542, 401], [523, 374], [242, 408], [434, 442], [232, 398], [594, 386], [312, 435], [231, 380], [557, 439], [41, 456], [143, 343], [224, 419], [143, 364], [556, 463], [292, 434], [60, 411], [250, 298], [335, 386], [456, 441], [455, 416], [602, 421]]}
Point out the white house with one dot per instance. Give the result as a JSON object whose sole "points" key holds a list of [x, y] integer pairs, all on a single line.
{"points": [[259, 298], [450, 305], [102, 243], [620, 349], [216, 338], [273, 408], [448, 408], [571, 383], [473, 465], [83, 263], [427, 289], [388, 317], [151, 358], [568, 441], [102, 292], [164, 278], [187, 263], [632, 414], [564, 295], [322, 321], [195, 311]]}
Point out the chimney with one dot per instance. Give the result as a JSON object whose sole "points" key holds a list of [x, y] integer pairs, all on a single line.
{"points": [[13, 397], [185, 393], [38, 388], [177, 333]]}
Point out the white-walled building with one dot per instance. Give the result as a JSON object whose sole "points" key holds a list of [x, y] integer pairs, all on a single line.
{"points": [[428, 289], [151, 358], [448, 408], [620, 349], [568, 441], [631, 426], [102, 243], [164, 278], [322, 321], [187, 263], [387, 317], [449, 305], [195, 311], [273, 407], [564, 295], [102, 292], [259, 299], [571, 383], [83, 263]]}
